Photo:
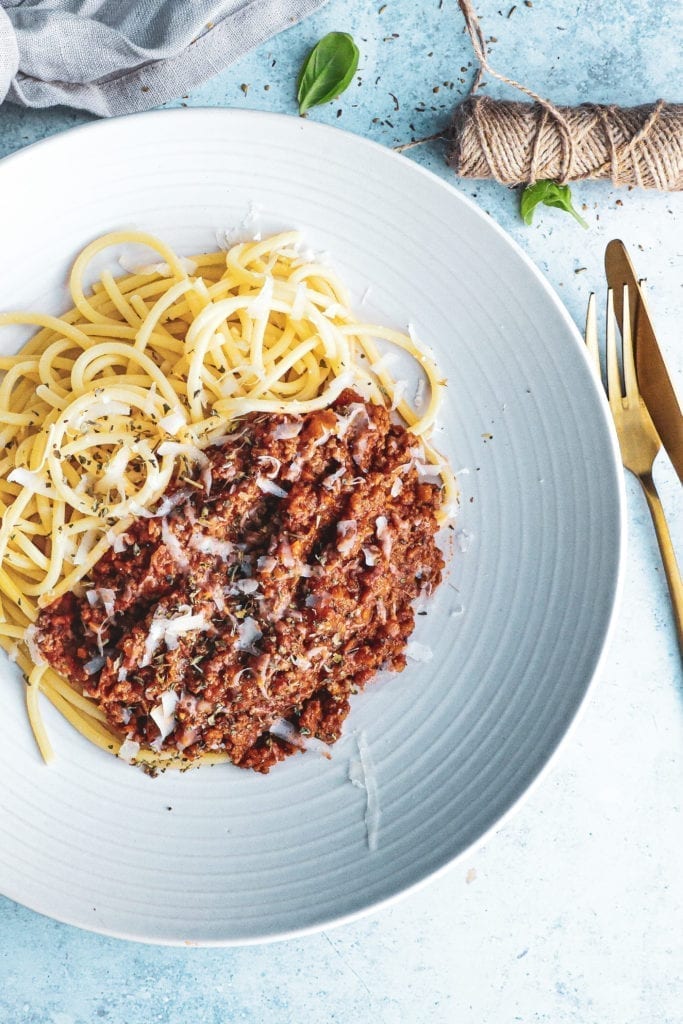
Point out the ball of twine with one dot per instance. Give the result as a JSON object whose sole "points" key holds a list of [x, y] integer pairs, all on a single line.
{"points": [[519, 143]]}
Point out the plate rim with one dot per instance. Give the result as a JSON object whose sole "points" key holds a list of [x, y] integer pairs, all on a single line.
{"points": [[619, 526]]}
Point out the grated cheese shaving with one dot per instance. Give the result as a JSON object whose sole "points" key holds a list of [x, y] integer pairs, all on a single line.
{"points": [[163, 714], [173, 546], [169, 630], [248, 636], [418, 652], [384, 535], [173, 422], [259, 307], [31, 641], [463, 538], [274, 465], [288, 430], [346, 532], [104, 596], [128, 751], [362, 775], [208, 545], [400, 388], [248, 586], [331, 480], [269, 487], [427, 472], [95, 664], [33, 481]]}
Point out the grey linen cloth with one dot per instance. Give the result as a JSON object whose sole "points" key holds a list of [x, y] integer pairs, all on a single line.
{"points": [[116, 56]]}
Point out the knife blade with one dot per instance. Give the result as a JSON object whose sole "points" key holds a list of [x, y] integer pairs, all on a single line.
{"points": [[653, 378]]}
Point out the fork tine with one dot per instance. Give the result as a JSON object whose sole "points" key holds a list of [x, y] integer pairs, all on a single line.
{"points": [[591, 336], [630, 379], [613, 377]]}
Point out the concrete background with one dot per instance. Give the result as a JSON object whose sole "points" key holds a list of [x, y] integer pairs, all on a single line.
{"points": [[573, 911]]}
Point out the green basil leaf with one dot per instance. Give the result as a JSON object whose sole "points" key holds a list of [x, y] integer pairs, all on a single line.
{"points": [[550, 194], [327, 70]]}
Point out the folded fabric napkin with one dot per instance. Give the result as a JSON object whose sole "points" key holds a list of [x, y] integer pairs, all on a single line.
{"points": [[117, 56]]}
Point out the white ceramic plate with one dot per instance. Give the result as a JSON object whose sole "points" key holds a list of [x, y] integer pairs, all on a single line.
{"points": [[517, 630]]}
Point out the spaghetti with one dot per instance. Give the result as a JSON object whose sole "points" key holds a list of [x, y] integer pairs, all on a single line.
{"points": [[102, 407]]}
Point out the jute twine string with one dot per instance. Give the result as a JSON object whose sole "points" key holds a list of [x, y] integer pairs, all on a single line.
{"points": [[518, 143], [543, 106]]}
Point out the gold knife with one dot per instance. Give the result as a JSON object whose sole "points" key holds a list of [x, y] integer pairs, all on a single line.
{"points": [[653, 378]]}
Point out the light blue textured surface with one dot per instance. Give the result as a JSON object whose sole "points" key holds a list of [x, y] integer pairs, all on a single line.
{"points": [[572, 913]]}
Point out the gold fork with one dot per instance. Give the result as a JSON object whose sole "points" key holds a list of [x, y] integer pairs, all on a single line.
{"points": [[638, 438]]}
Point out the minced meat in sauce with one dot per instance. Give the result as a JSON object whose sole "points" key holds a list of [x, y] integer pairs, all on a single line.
{"points": [[273, 587]]}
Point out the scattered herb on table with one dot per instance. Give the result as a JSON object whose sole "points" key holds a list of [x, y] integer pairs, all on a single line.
{"points": [[550, 194], [327, 70]]}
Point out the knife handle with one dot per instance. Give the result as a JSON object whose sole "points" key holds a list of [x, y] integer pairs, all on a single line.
{"points": [[673, 576]]}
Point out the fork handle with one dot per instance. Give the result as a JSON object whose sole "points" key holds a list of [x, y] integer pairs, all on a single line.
{"points": [[673, 576]]}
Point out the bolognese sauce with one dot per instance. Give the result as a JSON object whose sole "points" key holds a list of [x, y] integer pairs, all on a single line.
{"points": [[270, 585]]}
